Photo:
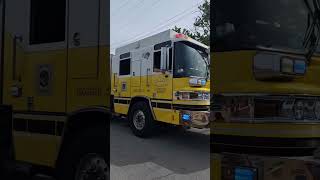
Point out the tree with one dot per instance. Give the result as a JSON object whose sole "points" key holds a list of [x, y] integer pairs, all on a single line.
{"points": [[201, 31]]}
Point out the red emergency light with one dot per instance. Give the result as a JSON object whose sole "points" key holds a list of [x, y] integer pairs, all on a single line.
{"points": [[181, 36]]}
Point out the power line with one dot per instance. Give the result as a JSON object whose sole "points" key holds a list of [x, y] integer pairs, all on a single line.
{"points": [[122, 6], [160, 25], [139, 2], [133, 16], [155, 3], [156, 29], [144, 35], [133, 7]]}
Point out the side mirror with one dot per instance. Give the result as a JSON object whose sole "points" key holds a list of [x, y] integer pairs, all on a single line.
{"points": [[164, 59], [224, 30]]}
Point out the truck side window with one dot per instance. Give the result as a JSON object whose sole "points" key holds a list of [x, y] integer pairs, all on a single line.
{"points": [[156, 61], [170, 59], [48, 21], [125, 67]]}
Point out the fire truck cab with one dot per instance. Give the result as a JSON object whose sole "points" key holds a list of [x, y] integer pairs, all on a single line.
{"points": [[162, 78]]}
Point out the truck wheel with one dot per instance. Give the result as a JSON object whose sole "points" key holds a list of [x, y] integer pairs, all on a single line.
{"points": [[141, 120], [86, 158]]}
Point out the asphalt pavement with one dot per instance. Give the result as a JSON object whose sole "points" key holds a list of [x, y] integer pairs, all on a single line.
{"points": [[172, 153]]}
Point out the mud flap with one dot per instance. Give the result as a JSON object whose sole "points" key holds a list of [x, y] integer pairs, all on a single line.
{"points": [[6, 138]]}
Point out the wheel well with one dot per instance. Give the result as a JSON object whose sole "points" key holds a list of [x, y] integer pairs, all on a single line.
{"points": [[79, 122], [139, 99]]}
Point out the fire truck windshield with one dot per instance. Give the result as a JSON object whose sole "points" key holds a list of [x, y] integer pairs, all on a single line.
{"points": [[190, 60], [246, 24]]}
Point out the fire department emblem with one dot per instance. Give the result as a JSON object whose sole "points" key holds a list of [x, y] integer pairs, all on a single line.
{"points": [[44, 79], [146, 55]]}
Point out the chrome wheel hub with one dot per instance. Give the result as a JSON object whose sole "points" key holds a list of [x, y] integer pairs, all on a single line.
{"points": [[139, 119]]}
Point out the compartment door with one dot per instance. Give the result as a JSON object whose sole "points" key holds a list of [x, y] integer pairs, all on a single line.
{"points": [[84, 67], [136, 78], [84, 33]]}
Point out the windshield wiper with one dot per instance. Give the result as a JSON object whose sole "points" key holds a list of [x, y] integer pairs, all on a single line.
{"points": [[311, 39]]}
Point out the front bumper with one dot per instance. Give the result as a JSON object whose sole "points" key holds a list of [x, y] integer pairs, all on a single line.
{"points": [[267, 168], [196, 119]]}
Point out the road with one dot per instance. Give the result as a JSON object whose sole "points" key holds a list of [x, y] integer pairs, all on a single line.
{"points": [[171, 154]]}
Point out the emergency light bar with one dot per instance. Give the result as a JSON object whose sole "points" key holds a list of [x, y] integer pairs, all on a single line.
{"points": [[181, 36]]}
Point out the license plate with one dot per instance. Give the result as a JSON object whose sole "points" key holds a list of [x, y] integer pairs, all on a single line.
{"points": [[243, 173]]}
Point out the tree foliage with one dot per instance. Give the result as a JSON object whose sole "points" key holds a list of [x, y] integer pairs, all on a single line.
{"points": [[201, 26]]}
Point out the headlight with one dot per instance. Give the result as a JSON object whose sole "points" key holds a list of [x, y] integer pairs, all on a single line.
{"points": [[287, 65], [196, 82], [291, 66], [274, 66]]}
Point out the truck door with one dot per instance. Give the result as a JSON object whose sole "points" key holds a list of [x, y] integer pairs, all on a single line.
{"points": [[162, 84], [83, 53], [162, 81], [35, 80]]}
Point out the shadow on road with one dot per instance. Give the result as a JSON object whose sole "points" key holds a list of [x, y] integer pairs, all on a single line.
{"points": [[180, 151]]}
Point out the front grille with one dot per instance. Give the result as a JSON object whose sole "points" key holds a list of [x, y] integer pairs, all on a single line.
{"points": [[268, 108], [195, 96]]}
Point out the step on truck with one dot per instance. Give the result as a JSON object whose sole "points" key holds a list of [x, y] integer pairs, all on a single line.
{"points": [[163, 78], [55, 87], [265, 102]]}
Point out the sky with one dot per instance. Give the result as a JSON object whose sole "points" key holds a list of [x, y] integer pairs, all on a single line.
{"points": [[132, 20]]}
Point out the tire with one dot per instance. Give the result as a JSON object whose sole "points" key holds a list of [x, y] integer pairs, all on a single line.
{"points": [[91, 146], [141, 120]]}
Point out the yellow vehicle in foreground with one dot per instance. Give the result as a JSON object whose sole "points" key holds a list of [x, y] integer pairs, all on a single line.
{"points": [[162, 78], [55, 87], [266, 94]]}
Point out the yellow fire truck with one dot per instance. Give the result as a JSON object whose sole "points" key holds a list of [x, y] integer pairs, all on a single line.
{"points": [[162, 78], [55, 87], [265, 99]]}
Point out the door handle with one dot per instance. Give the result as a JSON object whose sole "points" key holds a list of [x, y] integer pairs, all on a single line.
{"points": [[148, 70], [14, 55], [76, 39]]}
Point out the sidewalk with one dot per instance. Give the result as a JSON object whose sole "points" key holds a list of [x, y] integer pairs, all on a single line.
{"points": [[151, 171]]}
